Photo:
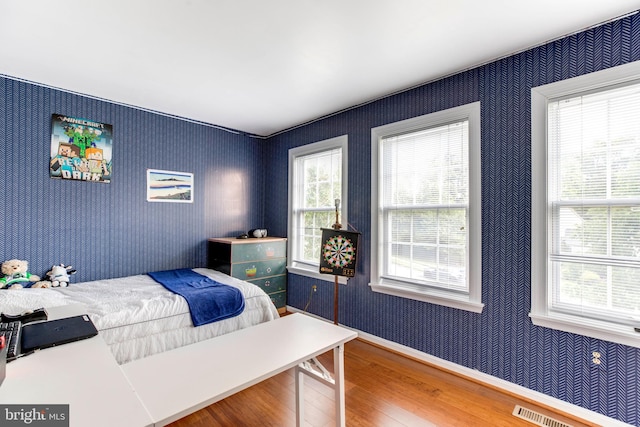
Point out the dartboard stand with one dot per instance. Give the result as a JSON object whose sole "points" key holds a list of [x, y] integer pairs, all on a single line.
{"points": [[338, 255]]}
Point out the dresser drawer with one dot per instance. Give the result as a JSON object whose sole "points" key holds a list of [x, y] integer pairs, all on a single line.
{"points": [[243, 250], [258, 251], [279, 299], [271, 284], [258, 269]]}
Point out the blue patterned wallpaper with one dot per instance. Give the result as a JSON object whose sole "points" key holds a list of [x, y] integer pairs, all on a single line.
{"points": [[110, 230], [502, 340]]}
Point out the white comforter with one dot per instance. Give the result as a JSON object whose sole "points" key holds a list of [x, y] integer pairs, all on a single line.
{"points": [[137, 317]]}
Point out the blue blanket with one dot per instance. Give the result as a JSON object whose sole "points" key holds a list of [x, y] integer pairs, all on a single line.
{"points": [[208, 300]]}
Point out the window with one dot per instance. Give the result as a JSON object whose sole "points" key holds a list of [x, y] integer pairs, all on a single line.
{"points": [[317, 177], [426, 208], [586, 205]]}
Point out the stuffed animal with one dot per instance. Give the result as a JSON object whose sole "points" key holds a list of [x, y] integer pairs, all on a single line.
{"points": [[16, 275], [59, 275]]}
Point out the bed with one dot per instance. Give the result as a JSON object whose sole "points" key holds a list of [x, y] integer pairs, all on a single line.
{"points": [[138, 317]]}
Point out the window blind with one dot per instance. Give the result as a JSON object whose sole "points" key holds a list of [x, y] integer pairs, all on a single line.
{"points": [[425, 197], [319, 183], [594, 203]]}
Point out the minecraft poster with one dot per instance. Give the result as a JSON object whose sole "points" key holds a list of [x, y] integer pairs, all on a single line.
{"points": [[80, 149]]}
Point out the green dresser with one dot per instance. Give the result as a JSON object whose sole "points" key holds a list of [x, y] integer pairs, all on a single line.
{"points": [[262, 262]]}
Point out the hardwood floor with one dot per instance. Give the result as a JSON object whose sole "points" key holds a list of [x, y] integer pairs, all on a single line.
{"points": [[382, 389]]}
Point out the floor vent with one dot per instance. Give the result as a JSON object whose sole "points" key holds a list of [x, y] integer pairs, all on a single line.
{"points": [[537, 418]]}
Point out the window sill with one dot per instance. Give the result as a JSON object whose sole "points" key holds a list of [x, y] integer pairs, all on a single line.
{"points": [[315, 274], [587, 327], [462, 302]]}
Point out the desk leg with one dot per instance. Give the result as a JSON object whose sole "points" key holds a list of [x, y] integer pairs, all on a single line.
{"points": [[338, 376], [299, 396], [313, 368]]}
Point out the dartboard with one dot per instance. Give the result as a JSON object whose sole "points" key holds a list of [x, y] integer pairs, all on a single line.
{"points": [[338, 251]]}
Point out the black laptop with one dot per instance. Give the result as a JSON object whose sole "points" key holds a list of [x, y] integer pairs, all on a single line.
{"points": [[37, 336]]}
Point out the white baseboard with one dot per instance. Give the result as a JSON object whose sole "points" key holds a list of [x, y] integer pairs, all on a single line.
{"points": [[490, 380]]}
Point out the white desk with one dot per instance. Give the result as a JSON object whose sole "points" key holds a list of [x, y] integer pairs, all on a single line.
{"points": [[176, 383], [82, 374]]}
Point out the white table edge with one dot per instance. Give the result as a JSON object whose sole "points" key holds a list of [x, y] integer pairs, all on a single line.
{"points": [[135, 370]]}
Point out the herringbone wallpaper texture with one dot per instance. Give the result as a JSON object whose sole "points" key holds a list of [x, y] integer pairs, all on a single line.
{"points": [[110, 230], [502, 340]]}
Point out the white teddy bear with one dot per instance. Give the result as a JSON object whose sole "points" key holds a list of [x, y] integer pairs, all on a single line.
{"points": [[16, 276]]}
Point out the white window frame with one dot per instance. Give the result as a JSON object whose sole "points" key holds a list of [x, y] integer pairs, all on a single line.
{"points": [[471, 301], [293, 265], [541, 312]]}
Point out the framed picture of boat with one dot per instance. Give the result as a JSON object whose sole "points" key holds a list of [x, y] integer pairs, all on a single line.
{"points": [[169, 186]]}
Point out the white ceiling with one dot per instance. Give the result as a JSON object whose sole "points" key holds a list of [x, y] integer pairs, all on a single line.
{"points": [[261, 66]]}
